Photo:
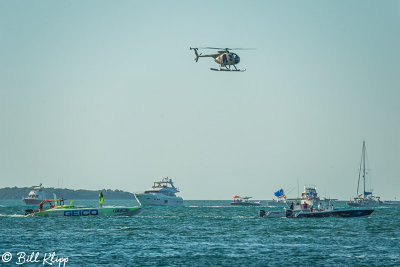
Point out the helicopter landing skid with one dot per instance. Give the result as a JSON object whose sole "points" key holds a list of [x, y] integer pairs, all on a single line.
{"points": [[226, 70]]}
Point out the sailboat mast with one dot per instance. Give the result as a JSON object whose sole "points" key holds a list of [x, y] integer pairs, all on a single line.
{"points": [[359, 171], [364, 165]]}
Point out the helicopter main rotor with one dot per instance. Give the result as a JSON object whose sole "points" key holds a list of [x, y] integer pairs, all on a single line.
{"points": [[226, 49]]}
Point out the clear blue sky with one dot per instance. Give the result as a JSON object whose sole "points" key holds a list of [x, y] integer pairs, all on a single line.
{"points": [[105, 94]]}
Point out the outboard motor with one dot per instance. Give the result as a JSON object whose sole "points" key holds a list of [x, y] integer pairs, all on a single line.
{"points": [[261, 213], [289, 213]]}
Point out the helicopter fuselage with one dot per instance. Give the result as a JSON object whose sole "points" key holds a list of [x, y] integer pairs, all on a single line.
{"points": [[227, 58]]}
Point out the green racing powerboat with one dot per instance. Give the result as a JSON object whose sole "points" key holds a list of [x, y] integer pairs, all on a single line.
{"points": [[58, 209]]}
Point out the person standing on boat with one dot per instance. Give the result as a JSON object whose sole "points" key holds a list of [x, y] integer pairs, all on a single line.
{"points": [[101, 199], [319, 207]]}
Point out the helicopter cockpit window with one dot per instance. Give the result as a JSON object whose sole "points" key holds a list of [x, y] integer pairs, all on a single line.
{"points": [[237, 59]]}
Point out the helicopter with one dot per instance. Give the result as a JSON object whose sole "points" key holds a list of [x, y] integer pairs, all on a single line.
{"points": [[224, 57]]}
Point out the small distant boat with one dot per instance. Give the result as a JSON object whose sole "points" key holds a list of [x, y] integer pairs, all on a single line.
{"points": [[365, 199], [57, 208], [243, 201], [36, 195], [162, 193]]}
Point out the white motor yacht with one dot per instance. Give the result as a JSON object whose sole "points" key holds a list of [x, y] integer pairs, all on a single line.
{"points": [[162, 193], [36, 195]]}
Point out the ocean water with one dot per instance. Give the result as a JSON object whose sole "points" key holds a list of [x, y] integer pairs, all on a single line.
{"points": [[202, 233]]}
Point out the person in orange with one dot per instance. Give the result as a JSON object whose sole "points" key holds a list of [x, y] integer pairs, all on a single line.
{"points": [[41, 206]]}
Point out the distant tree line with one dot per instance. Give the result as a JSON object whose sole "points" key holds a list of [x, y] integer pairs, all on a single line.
{"points": [[22, 192]]}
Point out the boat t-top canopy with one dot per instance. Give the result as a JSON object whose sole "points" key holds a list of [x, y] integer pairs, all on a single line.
{"points": [[53, 200], [36, 187]]}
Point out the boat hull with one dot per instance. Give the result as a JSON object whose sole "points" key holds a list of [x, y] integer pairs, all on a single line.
{"points": [[154, 199], [332, 213], [364, 204], [32, 201], [373, 204], [316, 214], [87, 212]]}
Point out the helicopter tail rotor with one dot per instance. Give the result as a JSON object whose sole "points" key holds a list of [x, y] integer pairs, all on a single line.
{"points": [[195, 52]]}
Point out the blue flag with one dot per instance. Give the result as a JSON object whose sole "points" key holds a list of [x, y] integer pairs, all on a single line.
{"points": [[279, 193]]}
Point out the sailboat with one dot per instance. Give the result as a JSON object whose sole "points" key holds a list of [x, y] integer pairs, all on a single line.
{"points": [[365, 198]]}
